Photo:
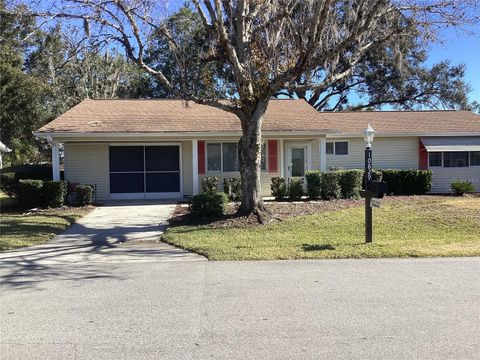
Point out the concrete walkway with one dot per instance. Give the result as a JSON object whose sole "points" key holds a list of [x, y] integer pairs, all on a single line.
{"points": [[114, 233]]}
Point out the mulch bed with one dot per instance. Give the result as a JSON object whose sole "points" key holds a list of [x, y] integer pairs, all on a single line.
{"points": [[280, 211]]}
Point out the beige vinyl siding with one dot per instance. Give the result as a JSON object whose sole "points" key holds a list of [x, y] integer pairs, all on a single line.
{"points": [[388, 153], [88, 164], [187, 168], [443, 177]]}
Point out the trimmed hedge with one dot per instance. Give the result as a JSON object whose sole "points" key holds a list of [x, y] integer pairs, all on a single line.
{"points": [[233, 188], [408, 182], [208, 204], [30, 194], [10, 176], [295, 188], [347, 184], [84, 194], [330, 188], [351, 183], [54, 193], [210, 184], [279, 188], [314, 180], [8, 183]]}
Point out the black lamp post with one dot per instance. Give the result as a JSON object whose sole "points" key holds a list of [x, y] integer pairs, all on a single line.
{"points": [[368, 135]]}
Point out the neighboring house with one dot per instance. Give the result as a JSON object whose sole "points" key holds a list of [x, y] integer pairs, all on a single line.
{"points": [[143, 149]]}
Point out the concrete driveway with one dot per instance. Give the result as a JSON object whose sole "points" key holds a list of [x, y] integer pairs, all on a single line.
{"points": [[119, 232], [338, 309]]}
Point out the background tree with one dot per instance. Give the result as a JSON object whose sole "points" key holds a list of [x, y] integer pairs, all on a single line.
{"points": [[263, 47], [21, 95], [44, 73]]}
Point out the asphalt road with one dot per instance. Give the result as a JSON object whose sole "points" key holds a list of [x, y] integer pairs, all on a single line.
{"points": [[348, 309]]}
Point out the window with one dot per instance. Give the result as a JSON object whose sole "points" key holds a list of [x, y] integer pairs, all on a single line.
{"points": [[337, 148], [230, 156], [214, 157], [456, 159], [263, 162], [475, 158], [222, 157], [341, 148], [435, 159], [329, 148]]}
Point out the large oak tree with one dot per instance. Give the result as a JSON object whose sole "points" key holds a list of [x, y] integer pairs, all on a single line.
{"points": [[262, 47]]}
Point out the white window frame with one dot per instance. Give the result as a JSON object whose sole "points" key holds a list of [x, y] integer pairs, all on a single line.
{"points": [[266, 158], [452, 167], [470, 159], [441, 157], [221, 157], [334, 150]]}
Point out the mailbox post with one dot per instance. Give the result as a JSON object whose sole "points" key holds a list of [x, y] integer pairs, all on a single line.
{"points": [[373, 188], [368, 194], [368, 135]]}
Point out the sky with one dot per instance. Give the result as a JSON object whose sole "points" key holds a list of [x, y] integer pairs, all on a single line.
{"points": [[460, 48]]}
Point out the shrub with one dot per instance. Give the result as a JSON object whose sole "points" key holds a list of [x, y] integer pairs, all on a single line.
{"points": [[295, 188], [424, 181], [233, 188], [350, 183], [84, 194], [30, 193], [460, 187], [408, 182], [279, 188], [54, 193], [10, 176], [330, 188], [208, 204], [8, 183], [314, 178], [210, 184]]}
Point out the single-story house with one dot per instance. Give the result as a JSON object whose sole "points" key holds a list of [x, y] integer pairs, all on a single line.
{"points": [[149, 149]]}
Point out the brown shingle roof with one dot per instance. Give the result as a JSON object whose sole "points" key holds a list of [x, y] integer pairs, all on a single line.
{"points": [[144, 116], [163, 116], [415, 122]]}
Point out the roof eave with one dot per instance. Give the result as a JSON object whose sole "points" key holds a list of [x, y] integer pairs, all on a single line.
{"points": [[193, 134]]}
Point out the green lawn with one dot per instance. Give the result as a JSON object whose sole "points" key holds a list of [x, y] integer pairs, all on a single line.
{"points": [[403, 227], [19, 230]]}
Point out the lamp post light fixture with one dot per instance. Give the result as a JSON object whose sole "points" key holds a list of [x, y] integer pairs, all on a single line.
{"points": [[368, 135]]}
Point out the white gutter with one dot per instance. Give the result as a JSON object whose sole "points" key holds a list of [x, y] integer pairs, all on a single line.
{"points": [[403, 134], [176, 134]]}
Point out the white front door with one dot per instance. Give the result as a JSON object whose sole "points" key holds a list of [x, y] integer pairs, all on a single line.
{"points": [[297, 160]]}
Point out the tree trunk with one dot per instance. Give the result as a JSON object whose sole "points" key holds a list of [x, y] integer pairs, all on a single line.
{"points": [[249, 148]]}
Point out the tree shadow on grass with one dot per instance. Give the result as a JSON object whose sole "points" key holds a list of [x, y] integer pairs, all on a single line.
{"points": [[317, 247]]}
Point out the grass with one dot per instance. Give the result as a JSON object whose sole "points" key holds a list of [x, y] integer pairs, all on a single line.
{"points": [[427, 226], [19, 230]]}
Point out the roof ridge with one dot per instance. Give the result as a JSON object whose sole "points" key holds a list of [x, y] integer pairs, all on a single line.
{"points": [[390, 111], [175, 99]]}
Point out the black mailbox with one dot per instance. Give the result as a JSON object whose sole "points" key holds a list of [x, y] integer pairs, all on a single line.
{"points": [[378, 188]]}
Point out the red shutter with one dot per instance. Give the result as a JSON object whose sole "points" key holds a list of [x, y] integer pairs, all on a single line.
{"points": [[422, 156], [272, 156], [201, 156]]}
